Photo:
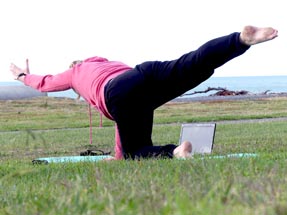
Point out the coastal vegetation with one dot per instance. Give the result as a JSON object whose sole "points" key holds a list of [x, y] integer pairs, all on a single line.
{"points": [[45, 126]]}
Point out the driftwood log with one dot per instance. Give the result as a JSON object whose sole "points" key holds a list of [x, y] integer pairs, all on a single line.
{"points": [[223, 92]]}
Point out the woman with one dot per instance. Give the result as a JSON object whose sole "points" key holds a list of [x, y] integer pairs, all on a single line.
{"points": [[129, 96]]}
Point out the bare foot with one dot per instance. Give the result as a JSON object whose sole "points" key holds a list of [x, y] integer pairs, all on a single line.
{"points": [[183, 150], [253, 35]]}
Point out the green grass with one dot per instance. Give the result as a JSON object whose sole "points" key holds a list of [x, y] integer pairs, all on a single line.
{"points": [[199, 186]]}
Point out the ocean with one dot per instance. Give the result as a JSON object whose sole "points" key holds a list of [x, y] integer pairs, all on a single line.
{"points": [[252, 84]]}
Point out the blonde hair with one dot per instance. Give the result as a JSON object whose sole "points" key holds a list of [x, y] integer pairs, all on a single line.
{"points": [[74, 63]]}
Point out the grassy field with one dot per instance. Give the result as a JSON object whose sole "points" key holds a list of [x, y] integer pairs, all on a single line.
{"points": [[59, 127]]}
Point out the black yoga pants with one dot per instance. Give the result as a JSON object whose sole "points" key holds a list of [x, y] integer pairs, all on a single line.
{"points": [[132, 97]]}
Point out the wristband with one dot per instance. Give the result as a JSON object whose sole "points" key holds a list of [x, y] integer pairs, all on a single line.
{"points": [[20, 75]]}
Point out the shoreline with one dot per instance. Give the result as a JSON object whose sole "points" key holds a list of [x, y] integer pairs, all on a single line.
{"points": [[176, 100], [229, 98]]}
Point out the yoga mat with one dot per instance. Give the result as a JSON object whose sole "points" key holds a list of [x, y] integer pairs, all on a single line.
{"points": [[71, 159], [235, 155], [74, 159]]}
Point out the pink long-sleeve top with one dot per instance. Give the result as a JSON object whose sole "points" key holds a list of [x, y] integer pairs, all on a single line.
{"points": [[88, 79]]}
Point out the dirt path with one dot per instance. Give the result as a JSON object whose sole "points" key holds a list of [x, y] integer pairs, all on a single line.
{"points": [[252, 120]]}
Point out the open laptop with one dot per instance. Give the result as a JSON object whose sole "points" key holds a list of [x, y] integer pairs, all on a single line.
{"points": [[201, 136]]}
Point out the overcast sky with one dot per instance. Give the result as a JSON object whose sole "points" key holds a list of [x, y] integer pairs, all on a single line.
{"points": [[53, 33]]}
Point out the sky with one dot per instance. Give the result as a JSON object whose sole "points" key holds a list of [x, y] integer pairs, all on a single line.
{"points": [[51, 34]]}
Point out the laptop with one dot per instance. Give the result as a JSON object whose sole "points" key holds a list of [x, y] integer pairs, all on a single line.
{"points": [[201, 136]]}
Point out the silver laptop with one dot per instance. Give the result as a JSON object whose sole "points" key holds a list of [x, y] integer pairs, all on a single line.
{"points": [[201, 136]]}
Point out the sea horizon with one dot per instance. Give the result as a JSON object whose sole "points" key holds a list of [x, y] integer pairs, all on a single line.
{"points": [[252, 84]]}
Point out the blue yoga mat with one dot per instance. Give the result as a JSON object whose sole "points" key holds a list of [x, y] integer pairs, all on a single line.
{"points": [[235, 155], [72, 159]]}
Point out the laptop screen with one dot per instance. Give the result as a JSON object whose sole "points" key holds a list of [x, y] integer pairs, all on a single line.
{"points": [[201, 136]]}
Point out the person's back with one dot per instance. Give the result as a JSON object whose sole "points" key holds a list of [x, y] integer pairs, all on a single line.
{"points": [[87, 78]]}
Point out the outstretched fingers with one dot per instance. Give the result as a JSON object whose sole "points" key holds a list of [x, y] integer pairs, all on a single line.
{"points": [[27, 66], [16, 71]]}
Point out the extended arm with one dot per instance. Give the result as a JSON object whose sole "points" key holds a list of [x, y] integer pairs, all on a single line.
{"points": [[47, 83]]}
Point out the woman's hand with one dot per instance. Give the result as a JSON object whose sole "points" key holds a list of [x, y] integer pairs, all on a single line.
{"points": [[19, 73]]}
